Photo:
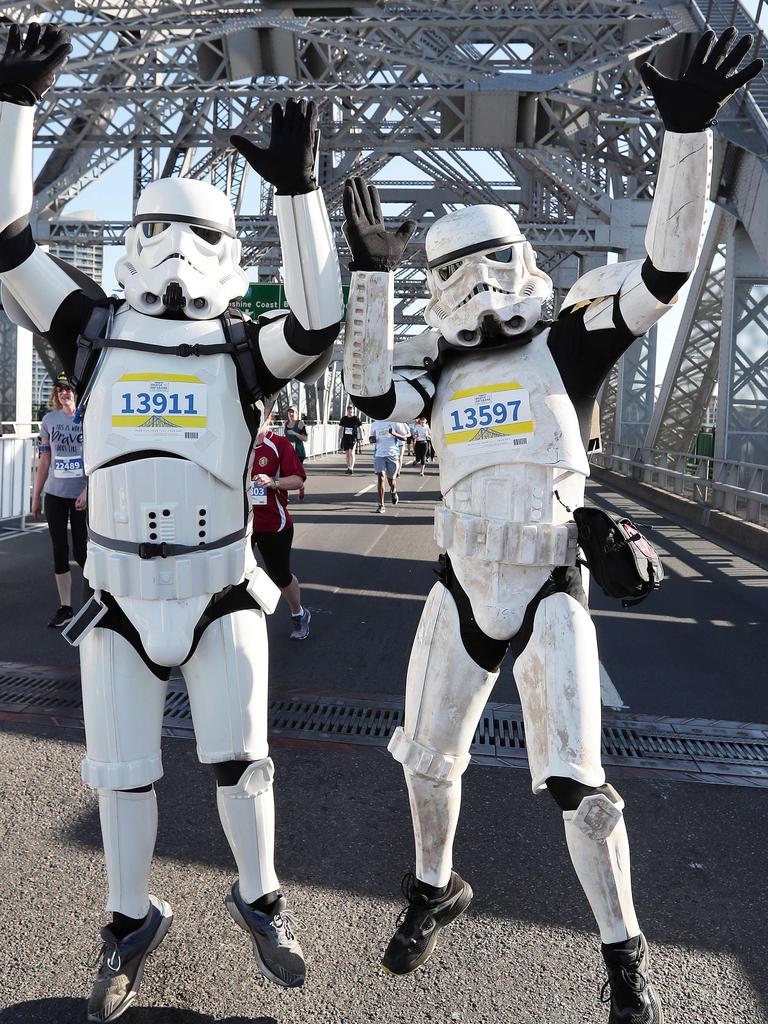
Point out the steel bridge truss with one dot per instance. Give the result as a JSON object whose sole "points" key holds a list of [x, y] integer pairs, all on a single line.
{"points": [[538, 105]]}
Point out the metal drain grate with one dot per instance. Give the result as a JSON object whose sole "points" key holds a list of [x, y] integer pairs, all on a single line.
{"points": [[692, 749]]}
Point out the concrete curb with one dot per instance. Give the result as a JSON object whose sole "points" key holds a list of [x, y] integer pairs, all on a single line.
{"points": [[751, 536]]}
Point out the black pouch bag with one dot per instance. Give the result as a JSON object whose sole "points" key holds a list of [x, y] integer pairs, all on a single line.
{"points": [[617, 555]]}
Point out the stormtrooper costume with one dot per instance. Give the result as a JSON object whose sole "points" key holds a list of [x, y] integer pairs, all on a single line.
{"points": [[510, 398], [175, 384]]}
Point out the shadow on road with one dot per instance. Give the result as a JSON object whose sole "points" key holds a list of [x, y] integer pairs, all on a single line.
{"points": [[72, 1011]]}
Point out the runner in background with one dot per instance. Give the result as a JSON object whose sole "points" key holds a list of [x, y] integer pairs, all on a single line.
{"points": [[296, 432], [388, 436], [350, 434], [60, 472], [423, 439], [277, 470]]}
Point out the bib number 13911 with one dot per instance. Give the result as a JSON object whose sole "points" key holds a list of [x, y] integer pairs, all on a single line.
{"points": [[159, 402]]}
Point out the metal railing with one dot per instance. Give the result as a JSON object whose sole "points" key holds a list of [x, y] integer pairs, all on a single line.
{"points": [[739, 488], [17, 467]]}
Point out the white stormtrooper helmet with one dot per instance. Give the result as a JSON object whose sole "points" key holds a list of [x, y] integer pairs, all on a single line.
{"points": [[182, 253], [480, 266]]}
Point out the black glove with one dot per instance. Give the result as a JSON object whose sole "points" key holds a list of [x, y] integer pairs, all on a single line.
{"points": [[371, 245], [691, 103], [28, 71], [288, 162]]}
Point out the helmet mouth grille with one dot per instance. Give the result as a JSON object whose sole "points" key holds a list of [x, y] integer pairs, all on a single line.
{"points": [[479, 289]]}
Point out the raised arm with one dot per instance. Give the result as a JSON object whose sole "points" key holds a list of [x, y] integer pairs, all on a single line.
{"points": [[291, 344], [376, 387], [622, 301], [38, 292]]}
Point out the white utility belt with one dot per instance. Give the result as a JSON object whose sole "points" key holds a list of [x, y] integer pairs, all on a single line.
{"points": [[178, 577], [495, 540]]}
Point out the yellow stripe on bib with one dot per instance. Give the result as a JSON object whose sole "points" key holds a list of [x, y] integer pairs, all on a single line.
{"points": [[526, 427], [469, 392], [173, 421], [184, 377]]}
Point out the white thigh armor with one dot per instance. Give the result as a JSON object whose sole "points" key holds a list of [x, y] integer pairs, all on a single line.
{"points": [[226, 680], [123, 701], [558, 679]]}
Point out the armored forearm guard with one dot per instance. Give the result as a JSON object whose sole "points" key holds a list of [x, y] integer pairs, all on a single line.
{"points": [[312, 279], [677, 215], [369, 334]]}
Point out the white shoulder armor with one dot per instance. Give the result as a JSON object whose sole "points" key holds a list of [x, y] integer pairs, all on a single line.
{"points": [[600, 283], [410, 353]]}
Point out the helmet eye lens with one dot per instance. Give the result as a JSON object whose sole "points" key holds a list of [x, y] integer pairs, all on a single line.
{"points": [[154, 227], [502, 255], [448, 270], [207, 234]]}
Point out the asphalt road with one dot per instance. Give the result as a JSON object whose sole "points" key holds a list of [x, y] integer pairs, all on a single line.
{"points": [[526, 952], [698, 647]]}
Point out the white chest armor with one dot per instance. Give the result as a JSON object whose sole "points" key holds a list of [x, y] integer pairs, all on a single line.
{"points": [[507, 437], [188, 407]]}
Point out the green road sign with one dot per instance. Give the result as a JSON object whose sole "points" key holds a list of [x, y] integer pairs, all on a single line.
{"points": [[263, 297]]}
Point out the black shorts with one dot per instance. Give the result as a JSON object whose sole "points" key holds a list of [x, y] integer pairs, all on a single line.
{"points": [[420, 451], [275, 551], [347, 443]]}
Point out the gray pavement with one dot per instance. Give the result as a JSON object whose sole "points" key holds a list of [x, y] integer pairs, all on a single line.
{"points": [[527, 950]]}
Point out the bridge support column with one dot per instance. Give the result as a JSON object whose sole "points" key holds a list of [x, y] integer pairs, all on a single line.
{"points": [[742, 402]]}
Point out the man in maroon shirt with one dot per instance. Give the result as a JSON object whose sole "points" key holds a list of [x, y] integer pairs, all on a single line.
{"points": [[276, 470]]}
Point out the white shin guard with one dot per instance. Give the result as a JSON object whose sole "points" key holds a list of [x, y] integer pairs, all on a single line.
{"points": [[597, 841], [435, 810], [129, 830], [247, 812]]}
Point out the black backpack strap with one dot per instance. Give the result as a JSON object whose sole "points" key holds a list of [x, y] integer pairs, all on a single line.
{"points": [[240, 344], [87, 353]]}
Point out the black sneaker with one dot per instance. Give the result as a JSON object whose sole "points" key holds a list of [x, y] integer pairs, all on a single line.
{"points": [[419, 922], [61, 617], [275, 945], [122, 963], [632, 997], [395, 497]]}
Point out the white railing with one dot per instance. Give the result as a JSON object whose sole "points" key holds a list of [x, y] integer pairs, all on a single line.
{"points": [[17, 463], [739, 488], [323, 438]]}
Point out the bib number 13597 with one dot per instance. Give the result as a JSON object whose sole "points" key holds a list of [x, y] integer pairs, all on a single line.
{"points": [[486, 414]]}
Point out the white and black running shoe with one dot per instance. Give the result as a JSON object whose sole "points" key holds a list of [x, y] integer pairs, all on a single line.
{"points": [[122, 963], [419, 922], [632, 997], [275, 945], [61, 617], [301, 622], [394, 496]]}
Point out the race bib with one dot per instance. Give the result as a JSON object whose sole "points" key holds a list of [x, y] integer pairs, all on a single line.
{"points": [[347, 430], [160, 405], [497, 415], [257, 494], [66, 467]]}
